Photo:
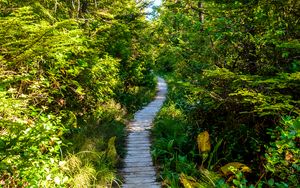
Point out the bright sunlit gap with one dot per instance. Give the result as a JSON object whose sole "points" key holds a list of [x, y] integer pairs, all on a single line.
{"points": [[150, 9]]}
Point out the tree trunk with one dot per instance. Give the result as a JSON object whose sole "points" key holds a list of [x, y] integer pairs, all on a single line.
{"points": [[201, 15]]}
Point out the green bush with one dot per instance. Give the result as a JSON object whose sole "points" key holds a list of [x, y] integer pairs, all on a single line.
{"points": [[283, 154], [63, 67]]}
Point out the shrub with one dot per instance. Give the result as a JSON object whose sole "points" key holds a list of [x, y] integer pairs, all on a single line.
{"points": [[283, 153]]}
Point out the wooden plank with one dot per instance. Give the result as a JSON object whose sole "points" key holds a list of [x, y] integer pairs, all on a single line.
{"points": [[152, 185], [144, 173], [133, 160], [140, 179], [138, 164], [138, 169]]}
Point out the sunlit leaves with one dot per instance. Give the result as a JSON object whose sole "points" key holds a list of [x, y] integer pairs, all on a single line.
{"points": [[61, 65]]}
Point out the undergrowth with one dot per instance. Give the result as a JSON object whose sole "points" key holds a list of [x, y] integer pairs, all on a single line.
{"points": [[238, 157]]}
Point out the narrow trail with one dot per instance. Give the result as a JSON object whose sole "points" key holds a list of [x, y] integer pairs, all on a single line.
{"points": [[138, 167]]}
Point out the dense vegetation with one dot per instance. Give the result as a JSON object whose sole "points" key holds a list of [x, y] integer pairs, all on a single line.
{"points": [[70, 74], [73, 72], [232, 115]]}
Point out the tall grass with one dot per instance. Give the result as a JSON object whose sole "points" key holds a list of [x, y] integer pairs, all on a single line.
{"points": [[93, 157]]}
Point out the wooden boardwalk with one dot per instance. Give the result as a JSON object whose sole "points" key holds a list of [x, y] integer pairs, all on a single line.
{"points": [[138, 170]]}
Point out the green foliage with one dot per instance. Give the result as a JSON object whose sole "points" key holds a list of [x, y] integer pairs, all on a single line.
{"points": [[171, 145], [235, 73], [174, 148], [283, 154], [69, 70], [24, 150]]}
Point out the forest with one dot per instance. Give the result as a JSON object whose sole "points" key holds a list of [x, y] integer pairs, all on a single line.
{"points": [[74, 72]]}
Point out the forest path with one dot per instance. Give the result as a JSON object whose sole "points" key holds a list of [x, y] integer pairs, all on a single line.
{"points": [[138, 169]]}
